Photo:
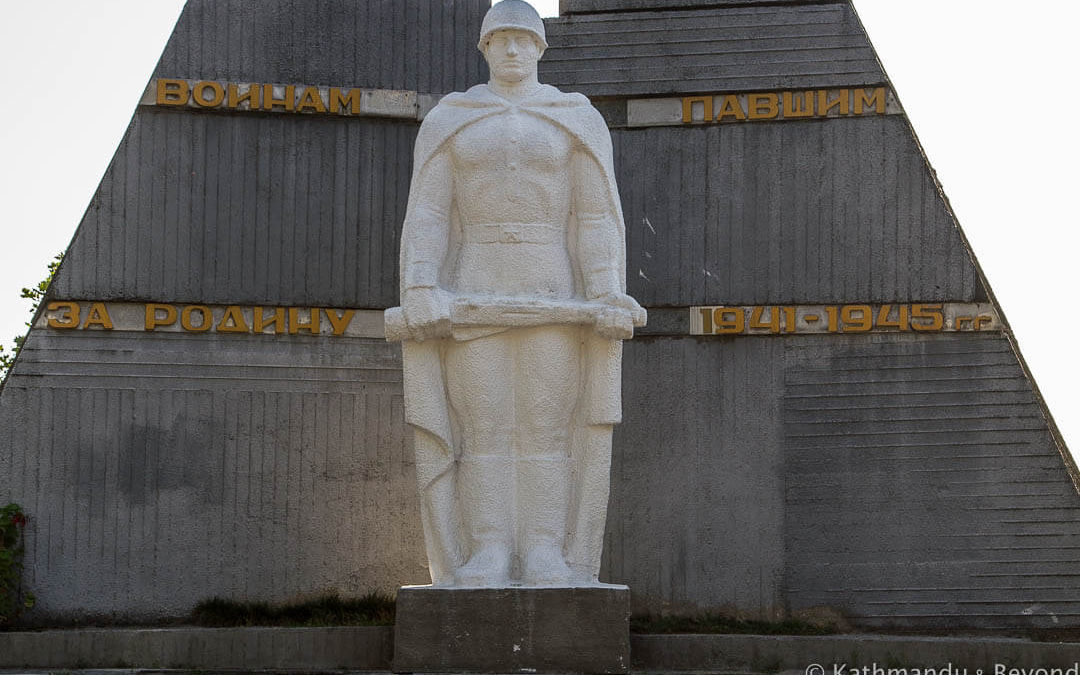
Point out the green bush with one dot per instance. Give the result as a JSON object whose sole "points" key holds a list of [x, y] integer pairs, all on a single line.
{"points": [[13, 601], [35, 295]]}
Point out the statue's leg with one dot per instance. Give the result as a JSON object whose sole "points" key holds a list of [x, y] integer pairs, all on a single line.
{"points": [[588, 512], [479, 381], [548, 387]]}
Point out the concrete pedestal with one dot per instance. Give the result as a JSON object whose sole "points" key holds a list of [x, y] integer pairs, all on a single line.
{"points": [[509, 630]]}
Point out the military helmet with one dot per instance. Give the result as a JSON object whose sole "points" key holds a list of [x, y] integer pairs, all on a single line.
{"points": [[512, 14]]}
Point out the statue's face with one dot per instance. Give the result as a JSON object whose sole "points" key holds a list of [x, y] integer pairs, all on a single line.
{"points": [[512, 55]]}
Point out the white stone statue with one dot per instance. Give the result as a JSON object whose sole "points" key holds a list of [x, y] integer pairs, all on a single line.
{"points": [[513, 310]]}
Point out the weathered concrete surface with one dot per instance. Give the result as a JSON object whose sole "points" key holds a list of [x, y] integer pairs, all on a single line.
{"points": [[299, 649], [504, 630], [696, 521], [760, 653], [592, 6], [370, 648], [179, 470], [702, 45], [902, 480]]}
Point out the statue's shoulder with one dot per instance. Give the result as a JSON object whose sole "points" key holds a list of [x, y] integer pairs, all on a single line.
{"points": [[588, 111], [455, 107], [471, 95], [453, 112], [555, 96], [474, 96], [451, 99], [576, 100], [447, 105], [577, 112], [576, 105], [459, 107]]}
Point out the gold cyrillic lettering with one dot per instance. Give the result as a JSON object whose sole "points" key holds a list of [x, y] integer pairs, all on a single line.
{"points": [[278, 322], [70, 316], [295, 326], [217, 94], [877, 98], [763, 106], [688, 108], [798, 104], [99, 316], [730, 106], [706, 320], [207, 318], [311, 99], [152, 320], [250, 96], [340, 323], [824, 105], [337, 100], [172, 92], [289, 102], [236, 316]]}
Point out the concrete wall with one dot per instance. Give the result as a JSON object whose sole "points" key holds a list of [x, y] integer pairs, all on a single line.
{"points": [[838, 211], [924, 486], [901, 479], [725, 46], [697, 509], [163, 469]]}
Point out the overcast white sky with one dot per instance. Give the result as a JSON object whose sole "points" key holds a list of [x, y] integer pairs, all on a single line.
{"points": [[989, 85]]}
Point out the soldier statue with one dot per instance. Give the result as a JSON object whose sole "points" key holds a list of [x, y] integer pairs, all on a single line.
{"points": [[513, 310]]}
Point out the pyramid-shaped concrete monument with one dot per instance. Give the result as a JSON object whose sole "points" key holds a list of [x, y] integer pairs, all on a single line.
{"points": [[826, 412]]}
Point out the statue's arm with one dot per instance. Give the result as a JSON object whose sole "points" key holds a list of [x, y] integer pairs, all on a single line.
{"points": [[599, 236], [424, 240]]}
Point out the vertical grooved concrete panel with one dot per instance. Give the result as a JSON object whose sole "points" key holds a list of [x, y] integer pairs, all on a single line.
{"points": [[276, 210], [696, 514], [787, 213], [158, 474]]}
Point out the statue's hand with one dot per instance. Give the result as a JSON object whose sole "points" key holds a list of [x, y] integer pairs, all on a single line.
{"points": [[427, 312], [638, 315], [618, 319]]}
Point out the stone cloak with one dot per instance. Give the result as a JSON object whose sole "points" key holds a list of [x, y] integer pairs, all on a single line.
{"points": [[600, 407]]}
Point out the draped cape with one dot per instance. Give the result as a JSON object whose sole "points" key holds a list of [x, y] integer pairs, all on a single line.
{"points": [[427, 409]]}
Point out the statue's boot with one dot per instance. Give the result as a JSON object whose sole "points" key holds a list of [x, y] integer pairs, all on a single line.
{"points": [[486, 491], [543, 505]]}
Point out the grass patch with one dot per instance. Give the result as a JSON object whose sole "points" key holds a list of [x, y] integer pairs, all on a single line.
{"points": [[373, 609], [715, 623]]}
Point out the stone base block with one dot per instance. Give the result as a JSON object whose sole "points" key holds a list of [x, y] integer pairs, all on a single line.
{"points": [[512, 630]]}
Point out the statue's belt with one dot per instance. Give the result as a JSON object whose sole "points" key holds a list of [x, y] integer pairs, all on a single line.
{"points": [[612, 322], [513, 233]]}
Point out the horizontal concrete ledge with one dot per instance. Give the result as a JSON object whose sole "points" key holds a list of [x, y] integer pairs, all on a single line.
{"points": [[843, 654], [295, 649], [362, 648]]}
